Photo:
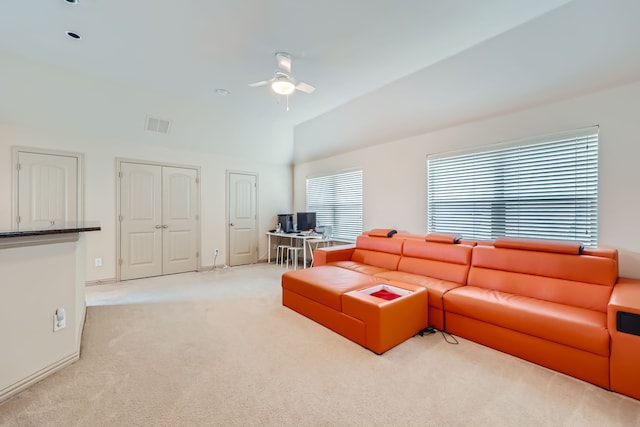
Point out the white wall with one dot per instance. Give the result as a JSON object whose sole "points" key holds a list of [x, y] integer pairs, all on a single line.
{"points": [[395, 172], [100, 196], [49, 107], [36, 280]]}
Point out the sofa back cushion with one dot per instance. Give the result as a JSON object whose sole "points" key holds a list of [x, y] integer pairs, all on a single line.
{"points": [[579, 280], [444, 261], [378, 251]]}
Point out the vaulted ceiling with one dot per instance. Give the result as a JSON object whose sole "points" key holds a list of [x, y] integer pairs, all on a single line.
{"points": [[383, 69]]}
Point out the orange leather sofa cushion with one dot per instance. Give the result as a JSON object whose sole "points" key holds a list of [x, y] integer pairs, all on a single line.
{"points": [[580, 281], [374, 255], [326, 284], [438, 260], [572, 326], [331, 254]]}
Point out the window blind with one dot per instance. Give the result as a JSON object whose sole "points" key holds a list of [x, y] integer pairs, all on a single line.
{"points": [[543, 189], [337, 201]]}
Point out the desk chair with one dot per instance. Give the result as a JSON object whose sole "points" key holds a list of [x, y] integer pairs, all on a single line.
{"points": [[280, 253], [292, 254]]}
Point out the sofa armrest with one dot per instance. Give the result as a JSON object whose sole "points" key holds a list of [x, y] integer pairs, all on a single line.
{"points": [[626, 293], [625, 297], [324, 256], [625, 343]]}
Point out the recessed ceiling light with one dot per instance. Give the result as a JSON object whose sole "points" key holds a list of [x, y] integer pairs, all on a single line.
{"points": [[74, 35], [72, 1], [222, 92]]}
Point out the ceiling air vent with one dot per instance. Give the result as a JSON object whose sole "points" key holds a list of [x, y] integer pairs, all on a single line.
{"points": [[157, 125]]}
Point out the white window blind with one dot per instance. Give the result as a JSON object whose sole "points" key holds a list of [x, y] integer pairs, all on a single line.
{"points": [[337, 201], [545, 189]]}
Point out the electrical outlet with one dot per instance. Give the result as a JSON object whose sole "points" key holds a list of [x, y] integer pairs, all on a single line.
{"points": [[217, 251], [59, 320], [98, 262]]}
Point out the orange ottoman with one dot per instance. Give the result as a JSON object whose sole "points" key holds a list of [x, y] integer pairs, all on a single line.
{"points": [[388, 321], [342, 300]]}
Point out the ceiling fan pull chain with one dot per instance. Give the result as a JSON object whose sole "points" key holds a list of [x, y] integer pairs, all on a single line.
{"points": [[287, 102]]}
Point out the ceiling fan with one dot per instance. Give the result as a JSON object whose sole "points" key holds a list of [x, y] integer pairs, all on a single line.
{"points": [[282, 82]]}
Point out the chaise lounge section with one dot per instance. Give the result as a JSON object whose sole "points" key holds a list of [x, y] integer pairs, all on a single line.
{"points": [[437, 262], [338, 298], [553, 303]]}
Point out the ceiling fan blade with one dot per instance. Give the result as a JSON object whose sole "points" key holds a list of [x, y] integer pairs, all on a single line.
{"points": [[305, 87], [284, 61], [262, 83]]}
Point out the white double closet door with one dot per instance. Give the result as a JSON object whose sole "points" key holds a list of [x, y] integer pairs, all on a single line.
{"points": [[159, 213]]}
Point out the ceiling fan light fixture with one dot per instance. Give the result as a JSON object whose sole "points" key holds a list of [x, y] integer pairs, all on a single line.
{"points": [[283, 86]]}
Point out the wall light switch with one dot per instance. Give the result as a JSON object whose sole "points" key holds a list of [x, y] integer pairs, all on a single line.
{"points": [[98, 262]]}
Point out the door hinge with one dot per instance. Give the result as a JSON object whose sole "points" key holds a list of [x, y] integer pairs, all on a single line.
{"points": [[197, 180], [18, 219], [120, 261], [197, 254], [120, 218], [18, 167], [197, 217], [120, 174]]}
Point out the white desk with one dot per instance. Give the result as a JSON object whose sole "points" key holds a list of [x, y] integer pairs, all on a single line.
{"points": [[303, 239]]}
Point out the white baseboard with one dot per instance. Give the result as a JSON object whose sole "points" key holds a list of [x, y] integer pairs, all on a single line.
{"points": [[12, 390], [100, 282]]}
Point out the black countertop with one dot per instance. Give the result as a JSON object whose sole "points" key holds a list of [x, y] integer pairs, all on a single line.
{"points": [[62, 228]]}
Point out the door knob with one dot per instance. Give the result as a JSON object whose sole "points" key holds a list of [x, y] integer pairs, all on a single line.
{"points": [[158, 226], [165, 226], [231, 224]]}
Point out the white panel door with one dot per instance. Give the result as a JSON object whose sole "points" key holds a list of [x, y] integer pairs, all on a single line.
{"points": [[140, 220], [243, 232], [180, 221], [158, 220], [47, 189]]}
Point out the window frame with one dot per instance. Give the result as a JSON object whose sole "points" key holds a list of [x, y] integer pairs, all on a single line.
{"points": [[346, 224], [529, 178]]}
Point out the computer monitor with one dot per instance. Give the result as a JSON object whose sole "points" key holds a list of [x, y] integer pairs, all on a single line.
{"points": [[286, 223], [306, 221]]}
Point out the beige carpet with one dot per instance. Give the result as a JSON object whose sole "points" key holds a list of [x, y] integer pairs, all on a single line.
{"points": [[226, 353]]}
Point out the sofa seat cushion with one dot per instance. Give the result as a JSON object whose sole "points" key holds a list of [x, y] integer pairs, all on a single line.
{"points": [[575, 327], [325, 284], [359, 267], [435, 287]]}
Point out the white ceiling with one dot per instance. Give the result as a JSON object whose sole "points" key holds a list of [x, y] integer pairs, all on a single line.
{"points": [[410, 65]]}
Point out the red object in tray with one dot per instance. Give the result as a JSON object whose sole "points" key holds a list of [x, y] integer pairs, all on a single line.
{"points": [[385, 294]]}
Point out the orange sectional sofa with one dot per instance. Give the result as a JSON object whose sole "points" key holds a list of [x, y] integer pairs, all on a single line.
{"points": [[553, 303]]}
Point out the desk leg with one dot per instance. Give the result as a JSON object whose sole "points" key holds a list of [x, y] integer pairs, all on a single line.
{"points": [[269, 249], [304, 253]]}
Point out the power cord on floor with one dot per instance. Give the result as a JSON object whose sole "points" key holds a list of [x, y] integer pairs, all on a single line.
{"points": [[450, 339], [213, 267]]}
